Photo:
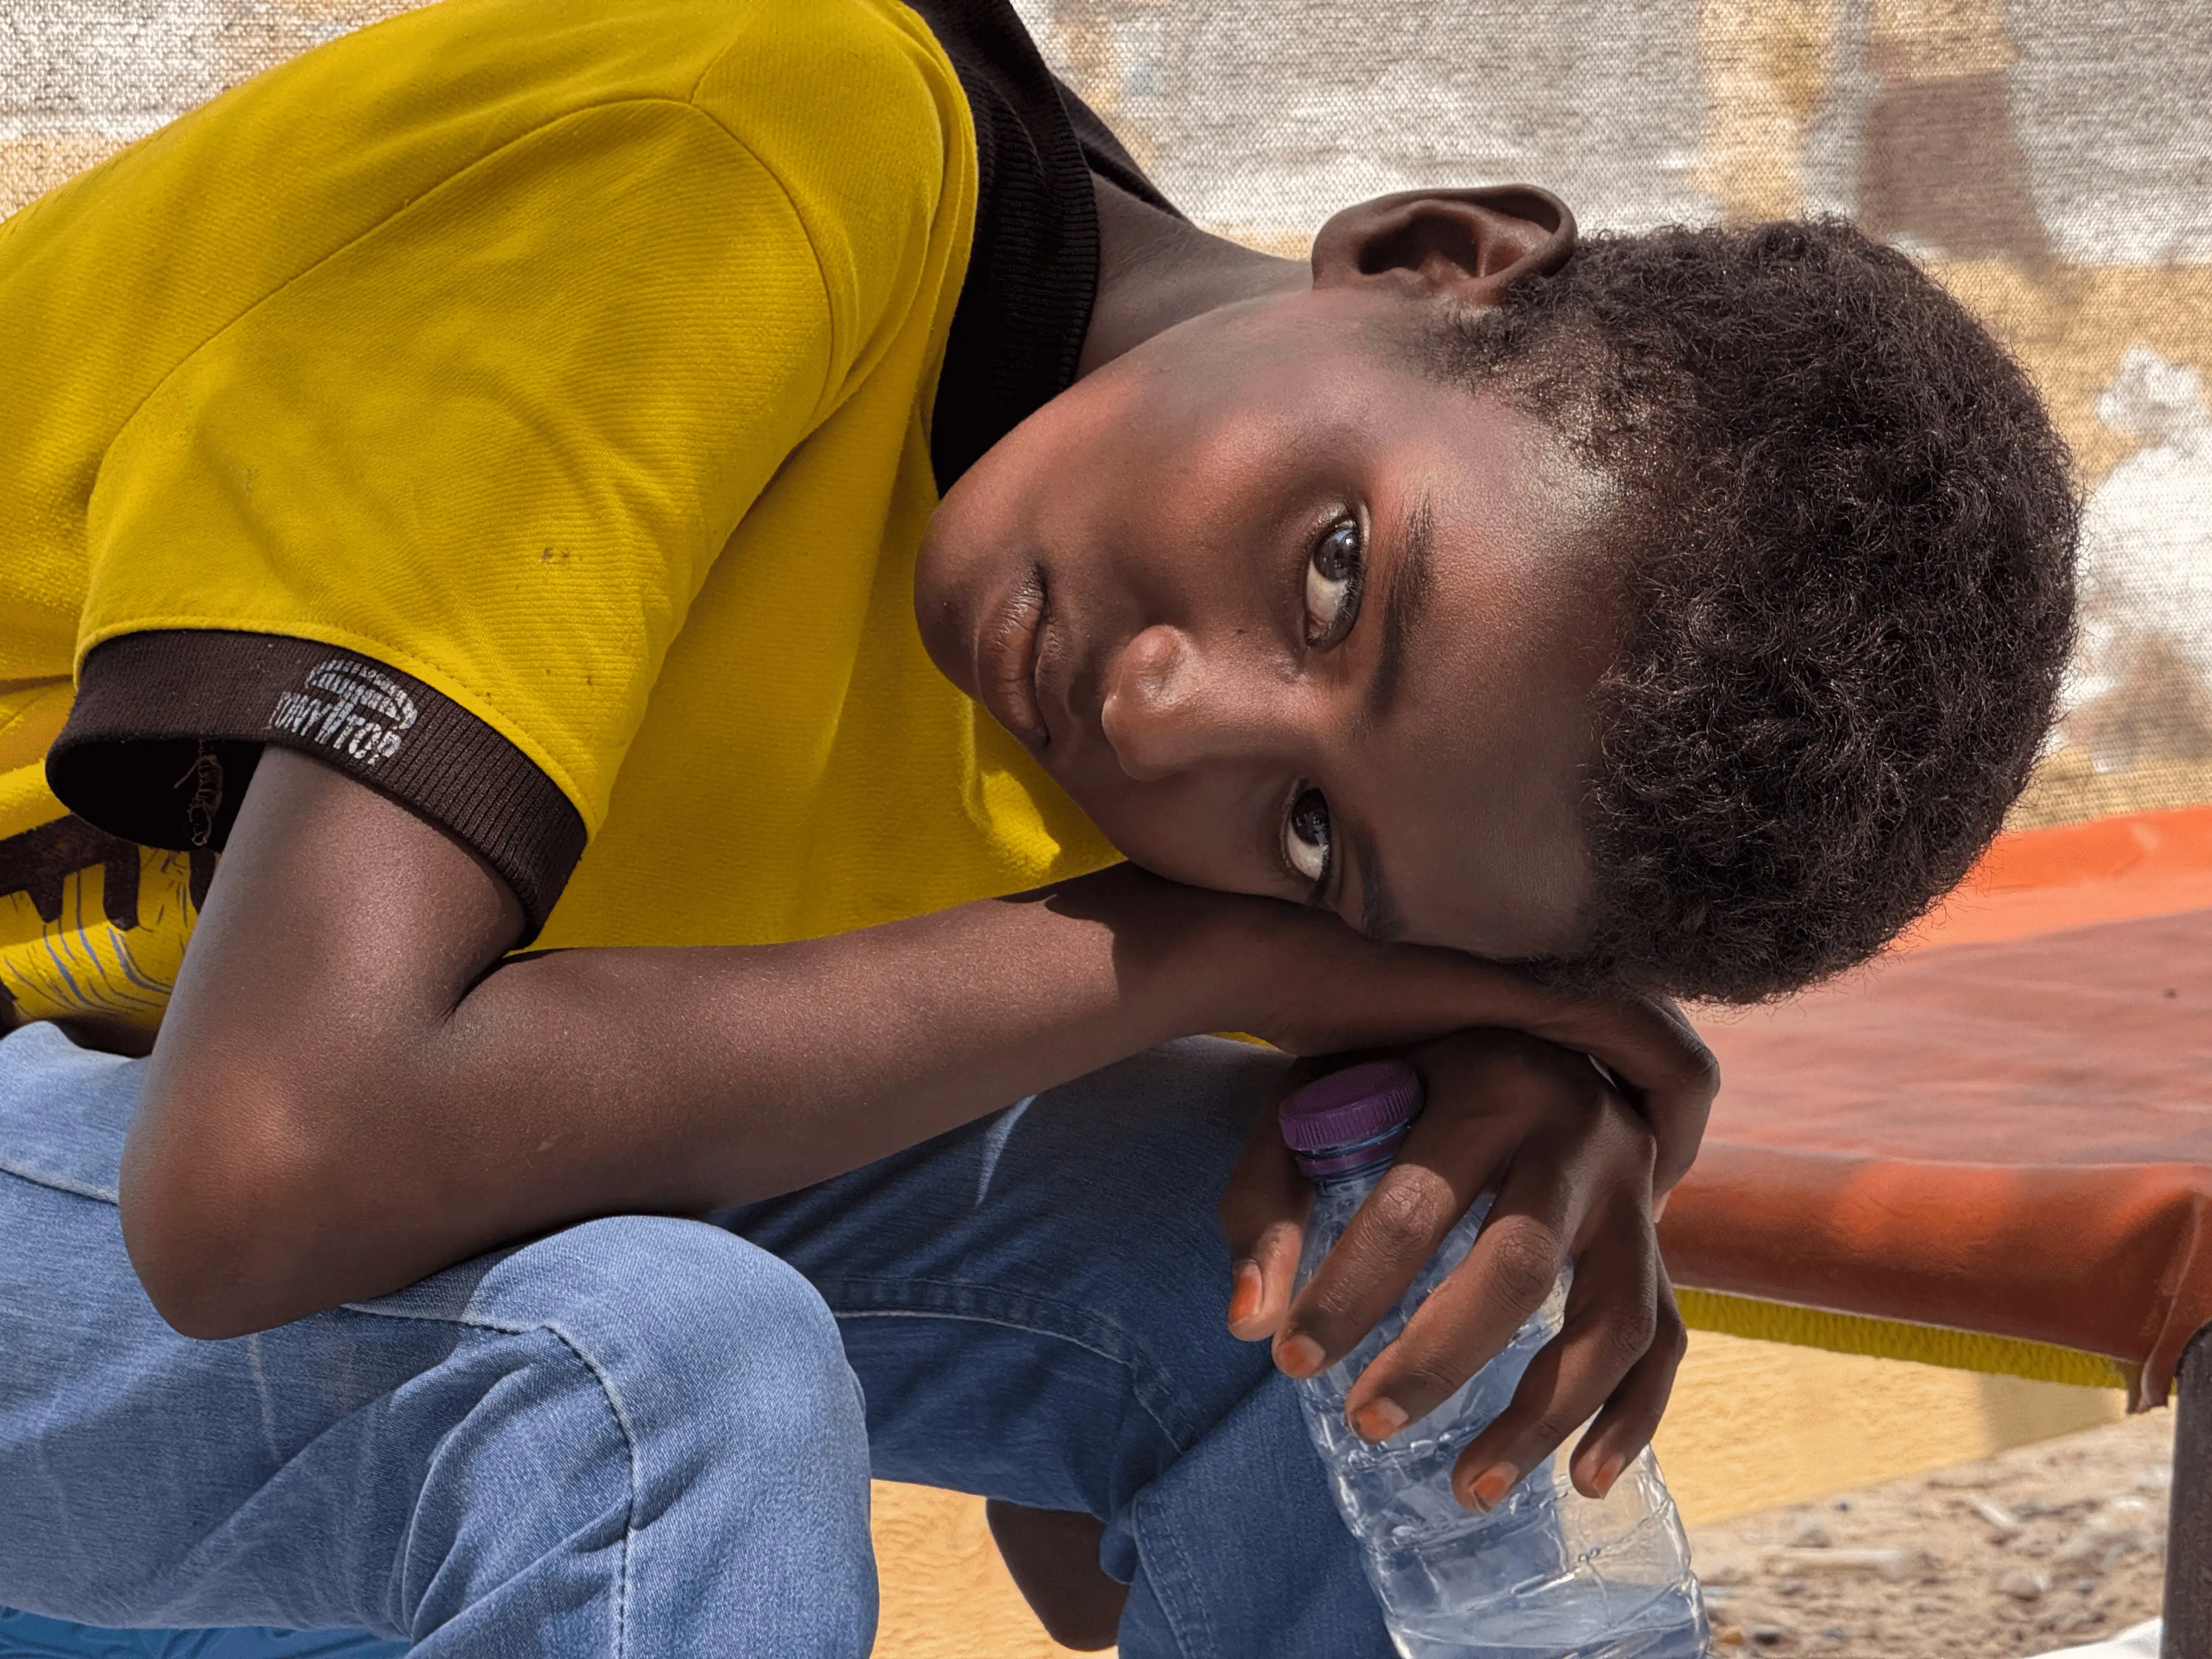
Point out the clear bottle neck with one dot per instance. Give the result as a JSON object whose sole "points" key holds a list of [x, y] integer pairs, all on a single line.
{"points": [[1354, 1163]]}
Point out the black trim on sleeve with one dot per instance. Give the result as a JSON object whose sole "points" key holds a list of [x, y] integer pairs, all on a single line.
{"points": [[168, 725], [1033, 267]]}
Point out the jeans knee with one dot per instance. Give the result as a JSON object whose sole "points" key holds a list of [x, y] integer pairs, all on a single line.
{"points": [[639, 1410], [682, 1320]]}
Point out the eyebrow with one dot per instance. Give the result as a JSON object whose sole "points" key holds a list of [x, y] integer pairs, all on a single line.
{"points": [[1411, 577], [1403, 607]]}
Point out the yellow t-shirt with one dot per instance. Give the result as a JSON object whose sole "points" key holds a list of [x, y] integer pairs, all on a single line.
{"points": [[525, 406]]}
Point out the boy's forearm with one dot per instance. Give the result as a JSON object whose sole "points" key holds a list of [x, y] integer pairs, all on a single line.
{"points": [[349, 1091], [711, 1076], [670, 1080]]}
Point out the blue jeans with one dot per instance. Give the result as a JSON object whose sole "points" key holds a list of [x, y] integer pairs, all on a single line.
{"points": [[652, 1437]]}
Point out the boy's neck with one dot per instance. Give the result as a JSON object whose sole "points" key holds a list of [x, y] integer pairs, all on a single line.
{"points": [[1155, 270]]}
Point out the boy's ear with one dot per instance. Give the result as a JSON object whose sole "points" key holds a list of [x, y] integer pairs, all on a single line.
{"points": [[1471, 245]]}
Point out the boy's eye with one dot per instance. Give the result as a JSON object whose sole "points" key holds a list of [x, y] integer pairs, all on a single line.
{"points": [[1306, 836], [1332, 576]]}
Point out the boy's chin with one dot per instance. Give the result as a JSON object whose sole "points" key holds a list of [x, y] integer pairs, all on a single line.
{"points": [[946, 597]]}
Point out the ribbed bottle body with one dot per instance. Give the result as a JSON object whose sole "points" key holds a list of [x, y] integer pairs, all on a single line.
{"points": [[1548, 1574]]}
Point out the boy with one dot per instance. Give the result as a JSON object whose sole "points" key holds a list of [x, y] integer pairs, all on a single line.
{"points": [[484, 478]]}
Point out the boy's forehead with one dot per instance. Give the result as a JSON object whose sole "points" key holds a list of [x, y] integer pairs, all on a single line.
{"points": [[1477, 776], [1524, 466], [1521, 529]]}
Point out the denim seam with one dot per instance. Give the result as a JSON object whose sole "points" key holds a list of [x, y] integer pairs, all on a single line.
{"points": [[59, 1183], [1157, 1546], [1154, 1396], [614, 1406]]}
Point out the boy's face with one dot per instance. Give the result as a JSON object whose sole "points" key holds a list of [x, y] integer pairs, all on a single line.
{"points": [[1285, 615]]}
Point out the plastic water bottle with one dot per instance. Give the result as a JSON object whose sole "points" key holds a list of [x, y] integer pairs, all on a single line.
{"points": [[1548, 1574]]}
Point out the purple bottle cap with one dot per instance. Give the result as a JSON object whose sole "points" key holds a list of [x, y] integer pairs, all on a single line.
{"points": [[1355, 1104]]}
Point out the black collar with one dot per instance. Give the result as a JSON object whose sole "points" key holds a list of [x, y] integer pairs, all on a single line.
{"points": [[1033, 269]]}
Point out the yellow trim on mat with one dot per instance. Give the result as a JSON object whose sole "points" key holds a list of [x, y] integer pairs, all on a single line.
{"points": [[1898, 1339]]}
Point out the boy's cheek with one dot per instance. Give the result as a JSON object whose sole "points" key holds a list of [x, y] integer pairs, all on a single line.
{"points": [[1169, 829]]}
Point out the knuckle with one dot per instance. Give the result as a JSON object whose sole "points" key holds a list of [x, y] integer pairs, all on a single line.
{"points": [[1532, 1068], [1400, 1219], [1698, 1067], [1330, 1321], [1619, 1133], [1628, 1336], [1688, 1061], [1628, 1137], [1553, 1423], [1425, 1375], [1524, 1264]]}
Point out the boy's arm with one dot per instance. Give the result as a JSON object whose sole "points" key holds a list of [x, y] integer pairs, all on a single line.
{"points": [[343, 1099]]}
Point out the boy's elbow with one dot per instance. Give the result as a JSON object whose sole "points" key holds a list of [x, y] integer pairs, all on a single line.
{"points": [[216, 1229], [191, 1301]]}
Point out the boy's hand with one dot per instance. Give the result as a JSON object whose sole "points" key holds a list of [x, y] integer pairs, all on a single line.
{"points": [[1311, 986], [1571, 1164]]}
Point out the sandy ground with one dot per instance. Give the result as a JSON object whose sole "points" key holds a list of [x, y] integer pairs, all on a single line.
{"points": [[2036, 1548]]}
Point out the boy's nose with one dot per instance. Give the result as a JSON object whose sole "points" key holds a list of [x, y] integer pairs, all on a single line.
{"points": [[1171, 704]]}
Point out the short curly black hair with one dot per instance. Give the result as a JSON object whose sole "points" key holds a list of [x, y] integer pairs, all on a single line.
{"points": [[1845, 545]]}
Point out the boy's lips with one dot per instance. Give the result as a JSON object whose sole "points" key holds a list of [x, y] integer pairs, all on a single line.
{"points": [[1006, 660]]}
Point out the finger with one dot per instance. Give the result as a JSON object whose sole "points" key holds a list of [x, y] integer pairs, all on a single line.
{"points": [[1446, 1161], [1263, 1211], [1609, 1327], [1678, 1119], [1627, 1421], [1466, 1322], [1543, 1205], [1648, 1046]]}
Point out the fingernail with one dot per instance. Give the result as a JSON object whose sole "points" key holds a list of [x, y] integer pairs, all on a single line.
{"points": [[1378, 1419], [1299, 1356], [1245, 1300], [1487, 1490], [1608, 1472]]}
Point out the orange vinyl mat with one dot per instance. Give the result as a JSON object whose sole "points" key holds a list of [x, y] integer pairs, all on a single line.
{"points": [[2004, 1127]]}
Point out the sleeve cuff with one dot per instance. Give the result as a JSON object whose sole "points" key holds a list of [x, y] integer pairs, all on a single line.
{"points": [[168, 724]]}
